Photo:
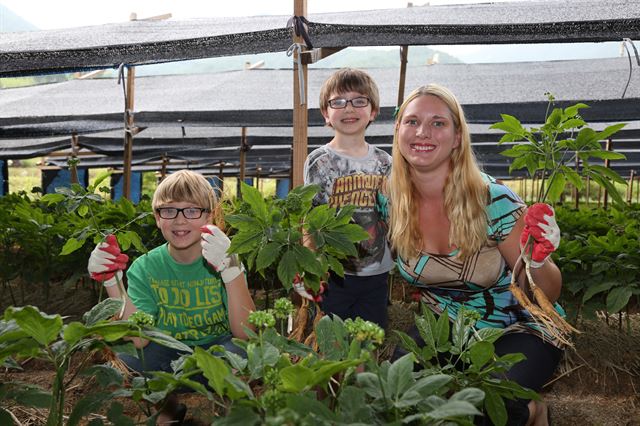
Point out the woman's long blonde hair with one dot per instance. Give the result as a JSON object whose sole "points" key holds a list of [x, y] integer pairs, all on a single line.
{"points": [[465, 192]]}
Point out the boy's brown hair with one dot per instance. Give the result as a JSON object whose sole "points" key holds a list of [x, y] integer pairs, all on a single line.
{"points": [[350, 80], [188, 187]]}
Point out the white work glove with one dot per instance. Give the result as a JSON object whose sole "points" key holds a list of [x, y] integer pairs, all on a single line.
{"points": [[540, 223], [106, 262], [307, 293], [214, 249]]}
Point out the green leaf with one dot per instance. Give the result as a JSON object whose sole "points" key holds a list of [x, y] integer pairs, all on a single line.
{"points": [[83, 210], [399, 378], [307, 260], [30, 396], [597, 288], [40, 326], [610, 130], [605, 155], [481, 353], [453, 408], [127, 207], [572, 110], [102, 311], [509, 124], [572, 123], [213, 368], [287, 268], [473, 396], [52, 198], [90, 403], [572, 176], [295, 378], [618, 298], [105, 375], [254, 198], [71, 245], [331, 337], [246, 241], [134, 239], [556, 188], [495, 408], [267, 255]]}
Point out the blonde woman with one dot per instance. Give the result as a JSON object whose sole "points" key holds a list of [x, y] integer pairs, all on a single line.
{"points": [[457, 234]]}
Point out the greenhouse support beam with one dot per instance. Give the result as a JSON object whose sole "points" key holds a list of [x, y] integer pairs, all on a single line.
{"points": [[404, 52], [300, 104], [128, 134]]}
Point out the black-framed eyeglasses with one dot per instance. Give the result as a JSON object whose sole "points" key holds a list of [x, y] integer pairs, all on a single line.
{"points": [[340, 103], [188, 212]]}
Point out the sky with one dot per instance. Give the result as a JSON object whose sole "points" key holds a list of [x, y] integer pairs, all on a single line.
{"points": [[50, 14]]}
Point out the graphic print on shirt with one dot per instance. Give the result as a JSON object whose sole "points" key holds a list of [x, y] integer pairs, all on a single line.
{"points": [[195, 307], [348, 181]]}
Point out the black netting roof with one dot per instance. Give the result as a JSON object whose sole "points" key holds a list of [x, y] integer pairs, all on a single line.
{"points": [[146, 42]]}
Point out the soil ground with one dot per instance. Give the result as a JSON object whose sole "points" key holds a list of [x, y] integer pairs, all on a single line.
{"points": [[597, 384]]}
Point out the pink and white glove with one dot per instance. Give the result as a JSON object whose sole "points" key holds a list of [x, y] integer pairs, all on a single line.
{"points": [[307, 293], [214, 249], [540, 223], [107, 262]]}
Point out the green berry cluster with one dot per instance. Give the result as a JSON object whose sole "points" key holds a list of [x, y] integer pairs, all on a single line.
{"points": [[262, 319], [362, 330], [282, 308], [142, 319]]}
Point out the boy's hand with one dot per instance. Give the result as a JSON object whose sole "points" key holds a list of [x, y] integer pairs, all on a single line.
{"points": [[106, 262], [307, 293], [214, 249], [540, 223]]}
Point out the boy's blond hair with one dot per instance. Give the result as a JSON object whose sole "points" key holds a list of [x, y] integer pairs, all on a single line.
{"points": [[350, 80], [187, 186]]}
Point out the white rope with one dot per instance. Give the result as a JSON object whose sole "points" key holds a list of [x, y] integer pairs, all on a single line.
{"points": [[625, 42], [296, 50]]}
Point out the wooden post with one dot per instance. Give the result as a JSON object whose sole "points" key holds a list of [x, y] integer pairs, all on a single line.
{"points": [[73, 164], [576, 192], [300, 112], [404, 51], [588, 195], [128, 134], [163, 167], [221, 177], [605, 203], [630, 191], [243, 154]]}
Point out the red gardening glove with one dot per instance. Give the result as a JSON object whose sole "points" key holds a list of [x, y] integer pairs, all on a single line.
{"points": [[540, 223], [307, 293], [106, 262]]}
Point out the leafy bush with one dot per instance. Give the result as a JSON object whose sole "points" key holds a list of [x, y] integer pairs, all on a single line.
{"points": [[599, 256]]}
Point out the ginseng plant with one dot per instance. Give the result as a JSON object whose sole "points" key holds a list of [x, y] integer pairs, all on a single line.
{"points": [[564, 139]]}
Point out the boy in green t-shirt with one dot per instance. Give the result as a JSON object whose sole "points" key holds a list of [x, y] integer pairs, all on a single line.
{"points": [[195, 291]]}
